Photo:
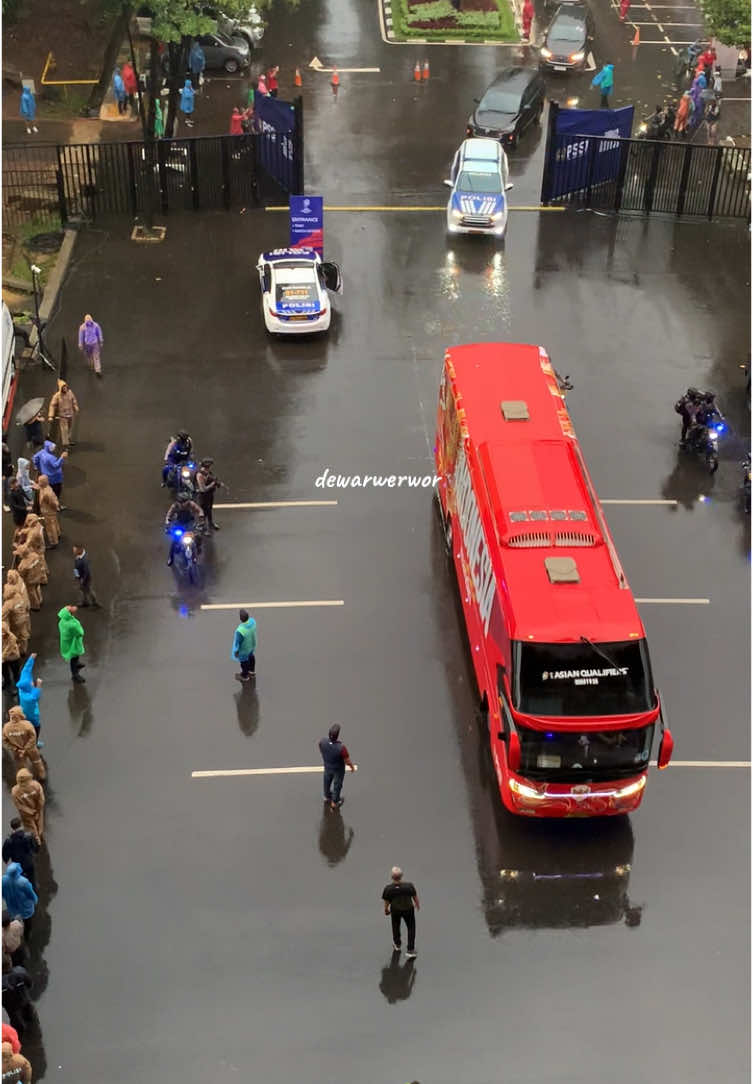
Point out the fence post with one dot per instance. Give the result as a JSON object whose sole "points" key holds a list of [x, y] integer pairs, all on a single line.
{"points": [[298, 146], [715, 180], [625, 145], [161, 146], [131, 178], [592, 144], [194, 166], [225, 155], [686, 162], [546, 179], [648, 192], [60, 181]]}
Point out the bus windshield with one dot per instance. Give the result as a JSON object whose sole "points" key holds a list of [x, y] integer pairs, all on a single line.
{"points": [[589, 756], [561, 680]]}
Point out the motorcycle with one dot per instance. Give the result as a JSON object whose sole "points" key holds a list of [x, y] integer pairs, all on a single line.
{"points": [[745, 484], [180, 478], [703, 438], [659, 126], [186, 552], [687, 61]]}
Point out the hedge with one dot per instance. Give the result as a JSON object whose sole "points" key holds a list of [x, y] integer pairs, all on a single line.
{"points": [[437, 20]]}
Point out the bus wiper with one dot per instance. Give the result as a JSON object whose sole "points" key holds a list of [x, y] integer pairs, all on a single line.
{"points": [[598, 650]]}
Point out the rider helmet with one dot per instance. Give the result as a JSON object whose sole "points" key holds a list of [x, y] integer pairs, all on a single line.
{"points": [[207, 462]]}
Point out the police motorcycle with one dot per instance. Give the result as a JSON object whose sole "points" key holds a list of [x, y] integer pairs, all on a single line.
{"points": [[178, 471], [660, 125], [185, 532], [704, 432]]}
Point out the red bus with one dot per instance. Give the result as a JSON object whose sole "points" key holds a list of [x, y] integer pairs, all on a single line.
{"points": [[558, 647]]}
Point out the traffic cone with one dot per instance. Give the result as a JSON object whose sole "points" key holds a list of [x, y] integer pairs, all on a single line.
{"points": [[637, 36], [298, 81], [426, 69], [417, 72], [335, 80]]}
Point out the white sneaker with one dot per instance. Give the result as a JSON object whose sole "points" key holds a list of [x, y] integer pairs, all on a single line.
{"points": [[34, 128], [411, 955], [395, 948]]}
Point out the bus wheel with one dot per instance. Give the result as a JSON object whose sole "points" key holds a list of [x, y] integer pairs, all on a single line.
{"points": [[484, 707], [446, 527]]}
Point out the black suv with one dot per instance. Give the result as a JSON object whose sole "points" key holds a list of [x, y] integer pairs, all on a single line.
{"points": [[567, 39], [513, 101]]}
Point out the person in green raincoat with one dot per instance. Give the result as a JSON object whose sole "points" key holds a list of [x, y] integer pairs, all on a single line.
{"points": [[71, 640], [159, 124]]}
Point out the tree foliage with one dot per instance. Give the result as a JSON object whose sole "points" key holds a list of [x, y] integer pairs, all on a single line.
{"points": [[173, 20], [728, 20]]}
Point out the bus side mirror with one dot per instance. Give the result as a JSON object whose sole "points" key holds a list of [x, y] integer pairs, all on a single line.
{"points": [[666, 748], [513, 752]]}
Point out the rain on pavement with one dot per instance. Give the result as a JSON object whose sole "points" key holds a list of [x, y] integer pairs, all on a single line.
{"points": [[217, 927]]}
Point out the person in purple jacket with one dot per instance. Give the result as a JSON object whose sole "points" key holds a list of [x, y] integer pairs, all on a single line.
{"points": [[90, 341], [46, 462]]}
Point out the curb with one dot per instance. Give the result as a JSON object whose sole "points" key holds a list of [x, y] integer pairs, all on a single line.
{"points": [[54, 282]]}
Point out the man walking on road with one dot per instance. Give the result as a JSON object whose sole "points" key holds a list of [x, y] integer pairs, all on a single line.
{"points": [[71, 641], [63, 406], [244, 647], [20, 737], [207, 485], [335, 758], [90, 341], [401, 903], [83, 573], [605, 81]]}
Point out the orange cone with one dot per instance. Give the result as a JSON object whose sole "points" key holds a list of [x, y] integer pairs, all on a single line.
{"points": [[426, 69], [335, 80], [637, 36], [298, 81], [417, 72]]}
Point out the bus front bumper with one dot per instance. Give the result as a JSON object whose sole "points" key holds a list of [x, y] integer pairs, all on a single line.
{"points": [[532, 799]]}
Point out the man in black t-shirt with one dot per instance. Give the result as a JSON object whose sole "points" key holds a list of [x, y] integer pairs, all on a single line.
{"points": [[401, 902]]}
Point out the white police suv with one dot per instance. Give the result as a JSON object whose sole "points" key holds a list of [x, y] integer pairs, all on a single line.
{"points": [[479, 179], [294, 290]]}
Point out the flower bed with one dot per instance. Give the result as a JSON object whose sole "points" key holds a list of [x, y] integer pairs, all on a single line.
{"points": [[479, 20]]}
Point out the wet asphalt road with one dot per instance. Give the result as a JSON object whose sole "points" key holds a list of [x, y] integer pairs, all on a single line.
{"points": [[217, 927]]}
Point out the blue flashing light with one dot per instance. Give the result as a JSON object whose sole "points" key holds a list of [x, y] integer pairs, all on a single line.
{"points": [[177, 532], [720, 427], [549, 734]]}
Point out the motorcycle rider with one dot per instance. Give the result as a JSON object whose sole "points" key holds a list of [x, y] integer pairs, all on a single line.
{"points": [[686, 407], [178, 451], [184, 513], [207, 484]]}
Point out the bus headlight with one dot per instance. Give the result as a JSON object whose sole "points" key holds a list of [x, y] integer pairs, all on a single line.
{"points": [[523, 789], [632, 788]]}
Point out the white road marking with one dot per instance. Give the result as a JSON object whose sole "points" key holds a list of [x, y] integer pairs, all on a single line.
{"points": [[271, 605], [662, 25], [706, 764], [303, 770], [317, 65], [673, 601], [613, 500], [277, 504]]}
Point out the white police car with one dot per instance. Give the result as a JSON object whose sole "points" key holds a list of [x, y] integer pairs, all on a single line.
{"points": [[294, 285], [479, 179]]}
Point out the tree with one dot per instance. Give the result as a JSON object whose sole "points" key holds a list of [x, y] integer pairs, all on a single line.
{"points": [[728, 20]]}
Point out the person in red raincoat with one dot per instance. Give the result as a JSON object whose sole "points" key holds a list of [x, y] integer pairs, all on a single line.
{"points": [[272, 84], [527, 18], [624, 8], [236, 122], [128, 75]]}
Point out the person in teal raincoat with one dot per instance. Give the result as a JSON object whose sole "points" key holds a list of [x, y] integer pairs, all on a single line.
{"points": [[605, 81], [244, 647], [71, 640], [159, 124], [186, 102], [29, 692]]}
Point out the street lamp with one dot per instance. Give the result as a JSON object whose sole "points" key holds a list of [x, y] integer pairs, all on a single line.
{"points": [[35, 273]]}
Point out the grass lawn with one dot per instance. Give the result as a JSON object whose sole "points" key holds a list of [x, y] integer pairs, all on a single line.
{"points": [[438, 20]]}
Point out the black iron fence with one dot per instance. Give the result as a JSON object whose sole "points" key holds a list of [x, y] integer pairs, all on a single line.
{"points": [[648, 176], [92, 181]]}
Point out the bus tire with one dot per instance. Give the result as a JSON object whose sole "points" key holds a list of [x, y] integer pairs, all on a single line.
{"points": [[446, 527], [484, 707]]}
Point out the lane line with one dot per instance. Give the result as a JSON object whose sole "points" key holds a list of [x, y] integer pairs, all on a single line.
{"points": [[706, 764], [662, 25], [674, 601], [317, 769], [614, 500], [278, 504], [271, 605], [438, 207]]}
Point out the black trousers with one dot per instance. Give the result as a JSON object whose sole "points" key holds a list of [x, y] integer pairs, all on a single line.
{"points": [[206, 504], [248, 666], [75, 665], [333, 782], [57, 488], [604, 100], [88, 598], [11, 672], [409, 917]]}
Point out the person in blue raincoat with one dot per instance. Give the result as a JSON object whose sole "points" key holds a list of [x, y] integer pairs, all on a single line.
{"points": [[20, 898], [119, 90], [244, 647], [196, 63], [29, 692], [28, 109], [186, 102], [605, 81]]}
